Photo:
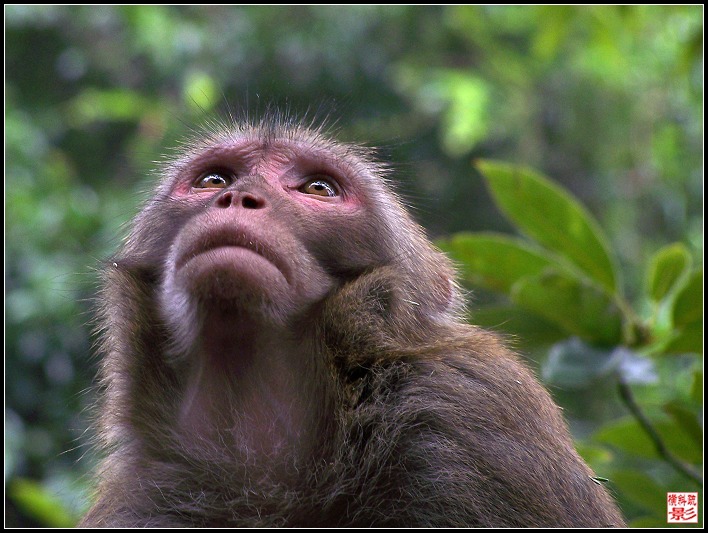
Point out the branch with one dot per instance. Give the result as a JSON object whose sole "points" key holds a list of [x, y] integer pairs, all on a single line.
{"points": [[686, 469]]}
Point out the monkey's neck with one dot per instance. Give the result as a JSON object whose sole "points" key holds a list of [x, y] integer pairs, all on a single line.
{"points": [[245, 389]]}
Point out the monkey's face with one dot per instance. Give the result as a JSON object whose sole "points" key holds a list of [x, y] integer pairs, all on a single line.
{"points": [[265, 228]]}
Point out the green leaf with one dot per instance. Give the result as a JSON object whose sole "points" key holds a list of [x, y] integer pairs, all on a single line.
{"points": [[688, 339], [688, 317], [697, 387], [594, 454], [688, 307], [667, 268], [579, 307], [528, 329], [640, 489], [655, 521], [40, 504], [550, 215], [494, 261], [627, 435], [685, 418], [679, 441]]}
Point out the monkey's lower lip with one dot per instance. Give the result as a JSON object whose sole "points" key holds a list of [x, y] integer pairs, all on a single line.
{"points": [[241, 257], [244, 249], [234, 242]]}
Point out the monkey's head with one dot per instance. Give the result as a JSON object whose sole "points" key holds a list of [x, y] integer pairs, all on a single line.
{"points": [[282, 346], [266, 222]]}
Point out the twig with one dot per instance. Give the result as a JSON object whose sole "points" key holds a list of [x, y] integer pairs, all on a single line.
{"points": [[628, 399]]}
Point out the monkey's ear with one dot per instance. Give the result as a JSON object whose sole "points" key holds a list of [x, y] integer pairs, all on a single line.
{"points": [[361, 315], [392, 299], [384, 312], [434, 287]]}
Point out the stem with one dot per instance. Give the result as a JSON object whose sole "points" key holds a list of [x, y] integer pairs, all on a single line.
{"points": [[680, 466]]}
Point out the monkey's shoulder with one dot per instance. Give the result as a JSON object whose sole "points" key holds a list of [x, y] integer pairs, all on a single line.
{"points": [[464, 442]]}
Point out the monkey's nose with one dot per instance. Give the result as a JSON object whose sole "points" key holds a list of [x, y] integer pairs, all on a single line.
{"points": [[247, 200]]}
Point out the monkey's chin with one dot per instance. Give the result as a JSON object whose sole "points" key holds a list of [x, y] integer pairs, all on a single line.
{"points": [[233, 274]]}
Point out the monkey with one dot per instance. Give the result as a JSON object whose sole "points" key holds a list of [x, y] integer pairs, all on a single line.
{"points": [[282, 345]]}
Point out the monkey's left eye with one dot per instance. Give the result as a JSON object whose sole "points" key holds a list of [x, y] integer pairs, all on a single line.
{"points": [[319, 186], [214, 180]]}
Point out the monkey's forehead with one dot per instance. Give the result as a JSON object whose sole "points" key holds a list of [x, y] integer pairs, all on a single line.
{"points": [[282, 142], [276, 134]]}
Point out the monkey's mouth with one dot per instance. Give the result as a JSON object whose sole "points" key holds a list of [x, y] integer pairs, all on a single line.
{"points": [[230, 238]]}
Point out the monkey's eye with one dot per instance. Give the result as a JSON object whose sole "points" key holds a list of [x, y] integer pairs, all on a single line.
{"points": [[319, 186], [214, 180]]}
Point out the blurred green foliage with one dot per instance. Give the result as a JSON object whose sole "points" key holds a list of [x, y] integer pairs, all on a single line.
{"points": [[605, 100], [564, 274]]}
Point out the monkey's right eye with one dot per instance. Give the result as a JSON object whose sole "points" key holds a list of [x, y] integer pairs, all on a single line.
{"points": [[214, 180]]}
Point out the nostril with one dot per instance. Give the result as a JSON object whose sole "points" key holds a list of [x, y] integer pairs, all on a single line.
{"points": [[246, 200], [251, 202], [225, 199]]}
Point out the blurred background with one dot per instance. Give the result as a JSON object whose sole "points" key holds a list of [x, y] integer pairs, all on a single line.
{"points": [[606, 101]]}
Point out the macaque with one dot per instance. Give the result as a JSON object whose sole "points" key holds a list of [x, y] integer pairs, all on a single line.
{"points": [[283, 346]]}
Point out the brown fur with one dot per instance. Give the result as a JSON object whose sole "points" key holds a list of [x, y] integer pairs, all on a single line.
{"points": [[387, 408]]}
